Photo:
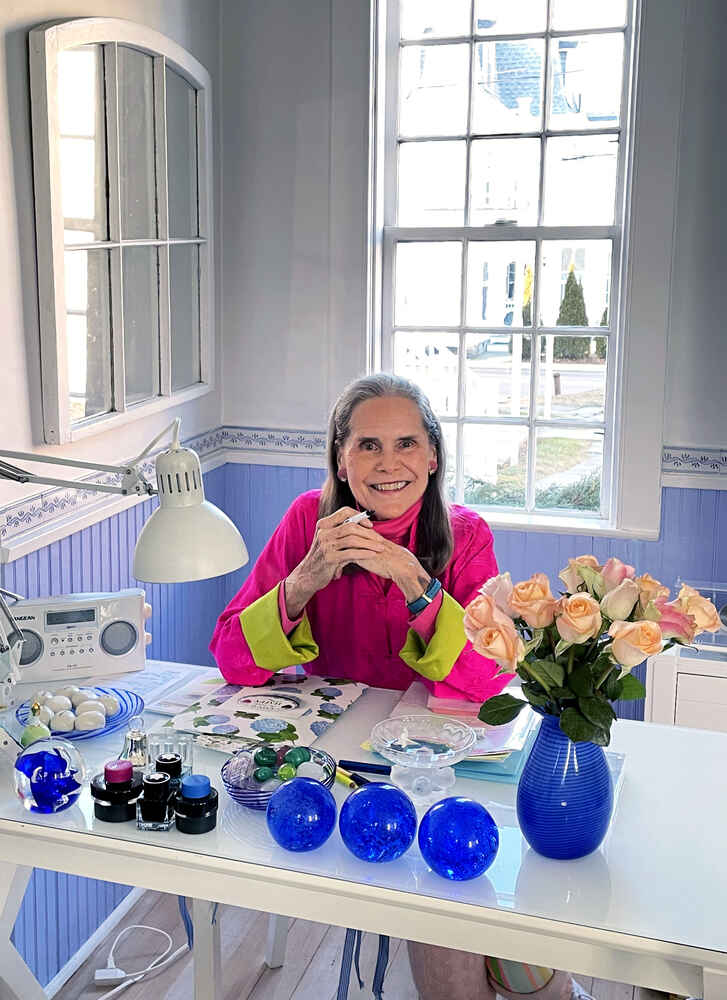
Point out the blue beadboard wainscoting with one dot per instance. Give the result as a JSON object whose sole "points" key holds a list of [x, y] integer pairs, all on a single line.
{"points": [[60, 912]]}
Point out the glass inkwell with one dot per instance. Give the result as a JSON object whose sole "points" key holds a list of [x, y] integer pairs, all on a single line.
{"points": [[116, 791], [155, 806]]}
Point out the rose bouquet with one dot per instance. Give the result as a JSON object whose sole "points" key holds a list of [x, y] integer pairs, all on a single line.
{"points": [[574, 653]]}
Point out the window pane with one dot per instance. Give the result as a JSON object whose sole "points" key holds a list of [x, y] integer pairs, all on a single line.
{"points": [[499, 17], [449, 432], [82, 135], [504, 181], [580, 180], [568, 468], [586, 81], [181, 155], [497, 370], [575, 282], [433, 90], [567, 14], [508, 87], [88, 332], [136, 144], [184, 298], [495, 465], [434, 19], [141, 322], [500, 283], [430, 360], [572, 380], [431, 183], [428, 284]]}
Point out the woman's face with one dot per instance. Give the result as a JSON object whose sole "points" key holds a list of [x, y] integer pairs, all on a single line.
{"points": [[387, 456]]}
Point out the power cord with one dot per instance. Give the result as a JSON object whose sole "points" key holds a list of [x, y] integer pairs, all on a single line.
{"points": [[111, 974]]}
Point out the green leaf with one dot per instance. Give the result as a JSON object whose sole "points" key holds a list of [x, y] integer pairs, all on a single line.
{"points": [[534, 694], [562, 646], [598, 711], [593, 580], [580, 680], [612, 685], [577, 728], [561, 692], [533, 643], [500, 709], [553, 671], [631, 688]]}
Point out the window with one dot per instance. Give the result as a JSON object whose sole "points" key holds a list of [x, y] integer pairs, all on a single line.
{"points": [[505, 176], [121, 126]]}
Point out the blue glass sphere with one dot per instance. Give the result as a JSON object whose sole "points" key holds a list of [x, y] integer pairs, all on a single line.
{"points": [[378, 822], [458, 838], [301, 814]]}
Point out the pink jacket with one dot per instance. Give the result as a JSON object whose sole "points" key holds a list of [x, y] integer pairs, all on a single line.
{"points": [[360, 624]]}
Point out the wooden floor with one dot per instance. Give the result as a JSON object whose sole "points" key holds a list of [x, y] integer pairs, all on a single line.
{"points": [[310, 972]]}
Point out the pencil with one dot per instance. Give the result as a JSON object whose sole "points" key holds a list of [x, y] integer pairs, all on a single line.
{"points": [[359, 765]]}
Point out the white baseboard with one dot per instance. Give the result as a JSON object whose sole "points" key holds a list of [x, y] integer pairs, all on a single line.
{"points": [[103, 930]]}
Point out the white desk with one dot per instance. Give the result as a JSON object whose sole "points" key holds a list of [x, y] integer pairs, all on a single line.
{"points": [[648, 908]]}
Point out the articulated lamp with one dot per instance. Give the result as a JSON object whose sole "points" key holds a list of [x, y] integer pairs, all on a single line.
{"points": [[186, 538]]}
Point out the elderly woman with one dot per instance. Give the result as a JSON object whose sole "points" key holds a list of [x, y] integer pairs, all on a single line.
{"points": [[370, 574]]}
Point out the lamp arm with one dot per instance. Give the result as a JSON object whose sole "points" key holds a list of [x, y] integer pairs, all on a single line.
{"points": [[174, 426], [29, 456], [133, 481]]}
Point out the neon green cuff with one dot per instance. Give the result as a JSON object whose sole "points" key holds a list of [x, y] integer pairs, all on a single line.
{"points": [[271, 648], [435, 659]]}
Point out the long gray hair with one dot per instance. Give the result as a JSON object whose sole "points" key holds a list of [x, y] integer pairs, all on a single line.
{"points": [[434, 541]]}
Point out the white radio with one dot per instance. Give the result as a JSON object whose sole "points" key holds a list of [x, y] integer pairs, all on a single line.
{"points": [[81, 635]]}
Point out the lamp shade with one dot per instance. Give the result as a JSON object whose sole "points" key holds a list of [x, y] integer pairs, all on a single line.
{"points": [[186, 538]]}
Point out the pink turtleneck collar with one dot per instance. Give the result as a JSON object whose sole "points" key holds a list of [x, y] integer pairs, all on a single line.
{"points": [[401, 529]]}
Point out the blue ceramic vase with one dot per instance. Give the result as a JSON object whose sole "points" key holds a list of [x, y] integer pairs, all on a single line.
{"points": [[565, 794]]}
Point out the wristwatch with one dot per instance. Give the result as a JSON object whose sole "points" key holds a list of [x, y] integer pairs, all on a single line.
{"points": [[427, 597]]}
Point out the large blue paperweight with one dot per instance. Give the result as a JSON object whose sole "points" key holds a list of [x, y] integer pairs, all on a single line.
{"points": [[49, 775], [378, 822], [301, 814], [458, 838]]}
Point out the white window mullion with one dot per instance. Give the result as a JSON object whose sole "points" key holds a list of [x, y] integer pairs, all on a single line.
{"points": [[160, 144], [206, 230], [111, 80]]}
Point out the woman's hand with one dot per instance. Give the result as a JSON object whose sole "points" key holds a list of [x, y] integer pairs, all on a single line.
{"points": [[396, 563], [335, 543]]}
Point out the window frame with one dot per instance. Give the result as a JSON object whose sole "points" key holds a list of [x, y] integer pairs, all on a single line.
{"points": [[46, 42]]}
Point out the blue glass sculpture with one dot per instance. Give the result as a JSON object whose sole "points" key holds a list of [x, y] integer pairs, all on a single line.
{"points": [[458, 838], [301, 814], [49, 775], [378, 822]]}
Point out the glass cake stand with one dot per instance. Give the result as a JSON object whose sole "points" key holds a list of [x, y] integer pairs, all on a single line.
{"points": [[422, 750]]}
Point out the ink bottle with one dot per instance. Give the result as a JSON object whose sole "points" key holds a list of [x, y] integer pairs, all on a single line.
{"points": [[115, 792], [195, 806], [154, 809], [171, 764]]}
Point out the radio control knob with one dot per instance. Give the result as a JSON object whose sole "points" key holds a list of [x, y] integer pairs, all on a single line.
{"points": [[54, 642], [62, 652]]}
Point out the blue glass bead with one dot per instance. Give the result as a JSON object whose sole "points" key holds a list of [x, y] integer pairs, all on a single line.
{"points": [[458, 838], [378, 822], [301, 814]]}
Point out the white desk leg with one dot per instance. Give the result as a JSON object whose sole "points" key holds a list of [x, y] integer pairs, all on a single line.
{"points": [[17, 982], [277, 939], [715, 984], [207, 955]]}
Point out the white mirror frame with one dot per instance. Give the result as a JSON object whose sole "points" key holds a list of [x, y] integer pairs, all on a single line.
{"points": [[46, 42]]}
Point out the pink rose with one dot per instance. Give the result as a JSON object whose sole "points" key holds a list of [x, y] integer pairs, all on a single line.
{"points": [[704, 612], [570, 576], [634, 641], [615, 572], [578, 618], [533, 601], [492, 633], [674, 622], [649, 590], [618, 603], [499, 588]]}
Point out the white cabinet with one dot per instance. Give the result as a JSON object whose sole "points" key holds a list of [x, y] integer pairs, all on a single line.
{"points": [[688, 687]]}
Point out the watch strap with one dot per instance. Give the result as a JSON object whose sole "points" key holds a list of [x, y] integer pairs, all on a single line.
{"points": [[426, 598]]}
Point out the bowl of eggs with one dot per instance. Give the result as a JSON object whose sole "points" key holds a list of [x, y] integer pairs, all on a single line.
{"points": [[77, 713]]}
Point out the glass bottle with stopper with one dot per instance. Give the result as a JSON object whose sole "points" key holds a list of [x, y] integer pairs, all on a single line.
{"points": [[136, 743]]}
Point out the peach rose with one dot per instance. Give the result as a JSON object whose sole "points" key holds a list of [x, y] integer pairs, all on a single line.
{"points": [[570, 576], [649, 590], [615, 572], [578, 618], [674, 622], [618, 603], [499, 588], [492, 633], [533, 601], [704, 612], [634, 641]]}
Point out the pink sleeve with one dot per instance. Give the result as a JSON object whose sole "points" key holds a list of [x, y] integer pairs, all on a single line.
{"points": [[472, 677], [288, 623], [425, 622], [280, 556]]}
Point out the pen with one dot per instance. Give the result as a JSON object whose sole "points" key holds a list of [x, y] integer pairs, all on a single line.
{"points": [[355, 518], [345, 778], [358, 765], [357, 779]]}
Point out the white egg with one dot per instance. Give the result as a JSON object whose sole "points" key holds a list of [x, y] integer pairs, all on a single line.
{"points": [[58, 703], [82, 694], [63, 722], [41, 697], [110, 703], [90, 720], [93, 705], [67, 692], [45, 715]]}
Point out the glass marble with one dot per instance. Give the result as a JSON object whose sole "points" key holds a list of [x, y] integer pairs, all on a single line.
{"points": [[49, 775], [378, 822], [458, 838], [265, 757], [261, 774], [309, 769], [297, 755], [286, 771], [301, 814]]}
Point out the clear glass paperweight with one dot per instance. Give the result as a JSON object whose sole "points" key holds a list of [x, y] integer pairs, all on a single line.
{"points": [[422, 750], [49, 775]]}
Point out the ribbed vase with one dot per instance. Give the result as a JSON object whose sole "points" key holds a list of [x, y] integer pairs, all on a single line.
{"points": [[565, 794]]}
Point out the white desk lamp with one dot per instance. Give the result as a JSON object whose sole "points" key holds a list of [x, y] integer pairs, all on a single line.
{"points": [[186, 538]]}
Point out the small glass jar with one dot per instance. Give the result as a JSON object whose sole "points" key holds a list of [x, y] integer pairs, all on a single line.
{"points": [[195, 806], [115, 792], [154, 808]]}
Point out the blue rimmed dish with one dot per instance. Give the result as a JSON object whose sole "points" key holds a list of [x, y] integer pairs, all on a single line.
{"points": [[255, 797]]}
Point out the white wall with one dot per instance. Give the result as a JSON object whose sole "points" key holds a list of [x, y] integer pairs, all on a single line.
{"points": [[194, 25]]}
